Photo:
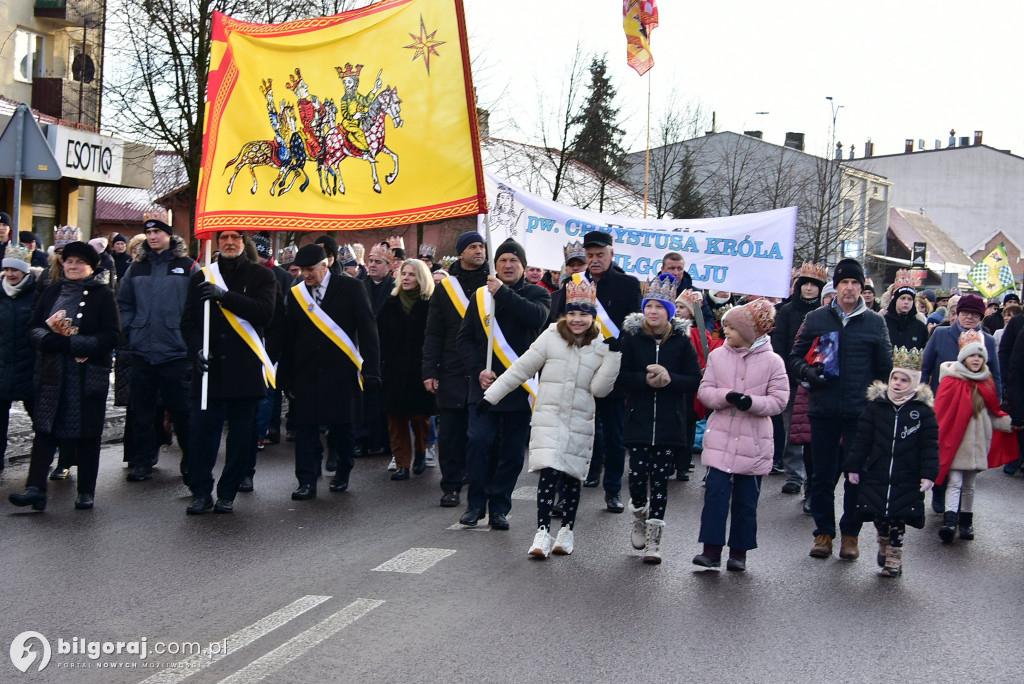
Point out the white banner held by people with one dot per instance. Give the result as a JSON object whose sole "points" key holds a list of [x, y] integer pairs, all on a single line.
{"points": [[749, 253]]}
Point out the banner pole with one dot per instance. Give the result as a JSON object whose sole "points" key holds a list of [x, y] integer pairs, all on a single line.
{"points": [[490, 327], [647, 156], [206, 337]]}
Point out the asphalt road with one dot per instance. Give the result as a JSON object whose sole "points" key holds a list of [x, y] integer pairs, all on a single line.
{"points": [[320, 591]]}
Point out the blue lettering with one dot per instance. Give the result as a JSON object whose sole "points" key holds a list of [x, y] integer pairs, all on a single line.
{"points": [[531, 223]]}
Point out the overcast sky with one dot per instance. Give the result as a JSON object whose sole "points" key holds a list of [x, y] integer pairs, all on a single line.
{"points": [[899, 69]]}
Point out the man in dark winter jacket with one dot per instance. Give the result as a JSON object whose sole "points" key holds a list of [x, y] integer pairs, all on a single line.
{"points": [[836, 400], [618, 295], [379, 284], [151, 298], [236, 365], [31, 241], [119, 253], [444, 369], [521, 311]]}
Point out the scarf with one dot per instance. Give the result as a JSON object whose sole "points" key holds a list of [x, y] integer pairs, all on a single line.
{"points": [[903, 396], [13, 291], [408, 298]]}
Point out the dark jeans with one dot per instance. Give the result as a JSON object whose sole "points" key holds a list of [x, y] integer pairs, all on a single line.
{"points": [[452, 429], [827, 455], [609, 452], [483, 429], [169, 381], [87, 455], [309, 451], [5, 423], [729, 492], [207, 427]]}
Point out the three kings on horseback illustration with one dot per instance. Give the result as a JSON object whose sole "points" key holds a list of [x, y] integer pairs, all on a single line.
{"points": [[322, 131]]}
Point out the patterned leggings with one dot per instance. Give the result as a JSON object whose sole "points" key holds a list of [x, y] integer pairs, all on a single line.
{"points": [[547, 492], [894, 528], [654, 465]]}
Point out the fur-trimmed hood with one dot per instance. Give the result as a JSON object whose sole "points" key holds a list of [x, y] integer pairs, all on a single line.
{"points": [[877, 392], [178, 248], [634, 325]]}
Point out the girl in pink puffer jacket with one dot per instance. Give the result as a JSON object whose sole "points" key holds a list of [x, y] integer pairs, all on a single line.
{"points": [[745, 383]]}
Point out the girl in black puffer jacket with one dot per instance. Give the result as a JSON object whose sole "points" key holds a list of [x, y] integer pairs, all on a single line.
{"points": [[895, 457]]}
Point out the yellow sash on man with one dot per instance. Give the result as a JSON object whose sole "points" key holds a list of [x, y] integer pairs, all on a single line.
{"points": [[502, 349], [604, 322], [243, 328], [455, 292], [327, 326]]}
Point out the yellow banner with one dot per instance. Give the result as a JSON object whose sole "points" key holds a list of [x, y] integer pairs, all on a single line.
{"points": [[639, 18], [361, 120], [993, 275]]}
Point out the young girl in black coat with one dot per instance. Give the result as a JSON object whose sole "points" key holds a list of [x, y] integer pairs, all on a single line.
{"points": [[895, 456]]}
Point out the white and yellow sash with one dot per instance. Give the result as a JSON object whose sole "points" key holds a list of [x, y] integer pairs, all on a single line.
{"points": [[502, 349], [604, 322], [328, 327], [455, 292], [243, 328]]}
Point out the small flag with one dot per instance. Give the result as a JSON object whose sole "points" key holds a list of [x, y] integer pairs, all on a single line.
{"points": [[992, 275], [639, 18]]}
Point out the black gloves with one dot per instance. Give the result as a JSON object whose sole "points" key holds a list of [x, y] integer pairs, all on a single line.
{"points": [[483, 407], [814, 376], [202, 363], [55, 342], [209, 292], [614, 343], [740, 401]]}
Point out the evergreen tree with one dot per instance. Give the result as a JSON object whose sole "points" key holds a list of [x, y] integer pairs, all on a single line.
{"points": [[598, 142], [686, 200]]}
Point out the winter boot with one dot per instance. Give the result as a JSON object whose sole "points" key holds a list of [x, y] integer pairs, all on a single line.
{"points": [[948, 528], [966, 525], [883, 549], [822, 546], [848, 548], [32, 496], [638, 535], [711, 557], [737, 561], [652, 551], [893, 562]]}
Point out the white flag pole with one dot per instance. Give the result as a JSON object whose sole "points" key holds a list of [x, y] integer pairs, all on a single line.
{"points": [[206, 335], [490, 327]]}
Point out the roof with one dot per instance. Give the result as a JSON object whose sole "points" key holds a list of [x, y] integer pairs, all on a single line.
{"points": [[944, 150], [1004, 239], [129, 204], [911, 226]]}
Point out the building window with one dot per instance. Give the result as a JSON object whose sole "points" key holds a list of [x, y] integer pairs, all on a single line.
{"points": [[28, 55], [851, 249]]}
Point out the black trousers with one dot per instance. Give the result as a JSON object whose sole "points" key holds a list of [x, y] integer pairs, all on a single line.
{"points": [[309, 451], [85, 449], [240, 451], [452, 429], [170, 381]]}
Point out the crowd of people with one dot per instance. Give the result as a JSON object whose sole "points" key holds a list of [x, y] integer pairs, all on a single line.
{"points": [[569, 370]]}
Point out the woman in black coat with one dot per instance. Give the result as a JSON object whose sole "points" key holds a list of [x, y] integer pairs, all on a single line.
{"points": [[402, 324], [74, 326], [17, 357]]}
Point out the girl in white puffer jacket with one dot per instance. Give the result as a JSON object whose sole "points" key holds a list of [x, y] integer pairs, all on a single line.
{"points": [[575, 365]]}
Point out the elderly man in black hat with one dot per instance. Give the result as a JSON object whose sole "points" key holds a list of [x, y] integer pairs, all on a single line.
{"points": [[31, 240], [243, 294], [331, 355], [520, 310], [618, 295], [838, 394]]}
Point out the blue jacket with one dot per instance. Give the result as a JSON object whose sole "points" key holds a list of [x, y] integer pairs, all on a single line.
{"points": [[151, 298], [944, 345]]}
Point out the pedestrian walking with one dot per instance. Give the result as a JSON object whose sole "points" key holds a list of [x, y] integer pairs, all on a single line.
{"points": [[895, 456], [17, 356], [745, 384], [575, 366]]}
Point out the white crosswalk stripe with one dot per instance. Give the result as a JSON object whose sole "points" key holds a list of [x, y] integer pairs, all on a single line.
{"points": [[415, 560]]}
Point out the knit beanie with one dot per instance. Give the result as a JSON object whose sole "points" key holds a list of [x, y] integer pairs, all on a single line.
{"points": [[468, 238], [160, 225], [509, 246], [263, 246], [971, 342], [848, 268], [329, 244], [99, 244], [829, 289], [972, 304], [118, 238], [751, 320]]}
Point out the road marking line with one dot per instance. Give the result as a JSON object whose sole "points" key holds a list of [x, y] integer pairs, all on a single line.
{"points": [[414, 560], [240, 639], [270, 663], [525, 493]]}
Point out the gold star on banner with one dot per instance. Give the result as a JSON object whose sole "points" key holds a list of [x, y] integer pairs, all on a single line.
{"points": [[425, 44]]}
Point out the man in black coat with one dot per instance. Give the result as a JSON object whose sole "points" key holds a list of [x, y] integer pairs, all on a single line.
{"points": [[521, 311], [619, 295], [379, 282], [321, 375], [31, 241], [236, 372], [865, 355], [444, 369]]}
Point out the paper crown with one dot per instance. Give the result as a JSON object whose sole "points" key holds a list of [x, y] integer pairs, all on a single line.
{"points": [[690, 298], [381, 251], [428, 250], [396, 241], [580, 293], [286, 255], [661, 289], [971, 337], [907, 358], [349, 70], [19, 252], [904, 279], [346, 257], [574, 250], [812, 270], [63, 235], [358, 250]]}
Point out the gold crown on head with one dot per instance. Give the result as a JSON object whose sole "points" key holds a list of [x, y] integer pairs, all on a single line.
{"points": [[345, 254], [63, 235], [904, 280], [358, 250], [286, 255], [574, 250], [428, 250], [580, 293], [970, 337], [382, 251], [907, 358], [813, 270], [18, 251], [396, 241], [661, 289]]}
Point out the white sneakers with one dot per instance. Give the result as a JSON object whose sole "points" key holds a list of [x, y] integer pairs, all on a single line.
{"points": [[563, 542], [542, 542], [638, 535], [393, 465], [431, 461]]}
